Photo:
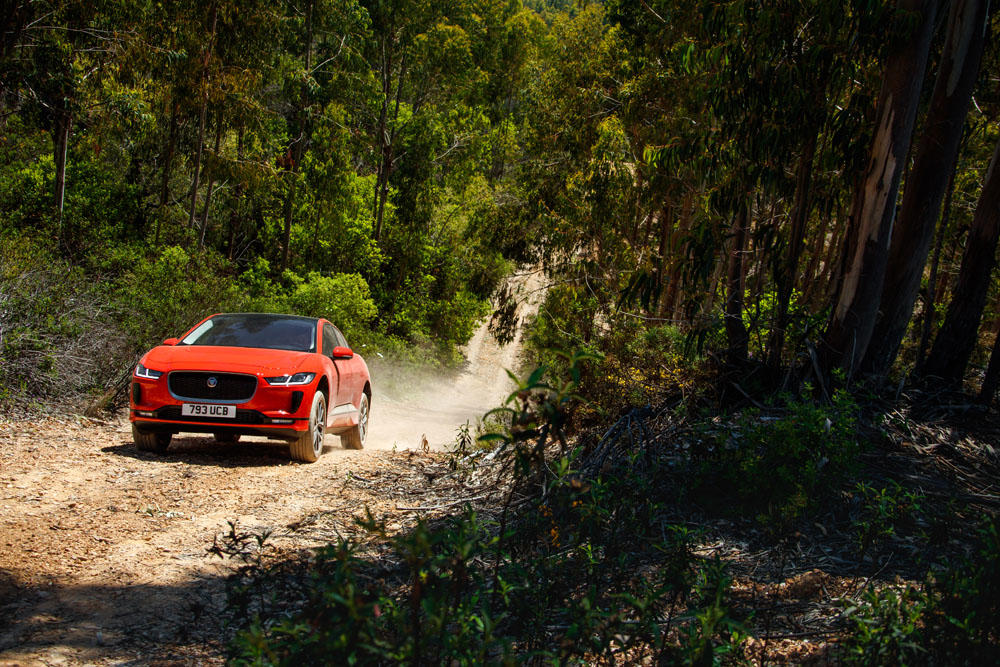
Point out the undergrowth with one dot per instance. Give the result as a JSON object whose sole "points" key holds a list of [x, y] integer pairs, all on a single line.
{"points": [[951, 619], [587, 552]]}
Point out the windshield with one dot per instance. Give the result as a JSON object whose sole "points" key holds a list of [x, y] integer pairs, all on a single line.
{"points": [[275, 332]]}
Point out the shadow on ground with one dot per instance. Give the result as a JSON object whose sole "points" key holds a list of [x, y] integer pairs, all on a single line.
{"points": [[125, 624], [207, 452]]}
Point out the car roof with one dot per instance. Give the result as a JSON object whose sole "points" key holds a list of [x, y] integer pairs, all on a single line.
{"points": [[283, 316]]}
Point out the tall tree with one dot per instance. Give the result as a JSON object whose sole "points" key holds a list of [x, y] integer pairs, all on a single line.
{"points": [[928, 178], [206, 61], [736, 332], [872, 213], [957, 338]]}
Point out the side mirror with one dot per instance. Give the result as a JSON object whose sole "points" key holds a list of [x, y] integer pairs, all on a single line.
{"points": [[341, 352], [171, 341]]}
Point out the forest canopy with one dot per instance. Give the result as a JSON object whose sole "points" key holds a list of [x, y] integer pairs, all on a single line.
{"points": [[781, 185]]}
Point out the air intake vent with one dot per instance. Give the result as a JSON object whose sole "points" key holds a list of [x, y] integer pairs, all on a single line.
{"points": [[202, 386]]}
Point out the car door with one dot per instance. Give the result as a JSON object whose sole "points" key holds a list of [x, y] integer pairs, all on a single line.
{"points": [[329, 342], [351, 369]]}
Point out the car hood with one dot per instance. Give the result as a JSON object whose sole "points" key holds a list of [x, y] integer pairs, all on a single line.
{"points": [[168, 358]]}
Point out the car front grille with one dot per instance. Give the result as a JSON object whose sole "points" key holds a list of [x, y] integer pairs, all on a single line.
{"points": [[243, 417], [228, 386]]}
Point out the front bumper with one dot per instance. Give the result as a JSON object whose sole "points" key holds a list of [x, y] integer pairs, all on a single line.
{"points": [[277, 412]]}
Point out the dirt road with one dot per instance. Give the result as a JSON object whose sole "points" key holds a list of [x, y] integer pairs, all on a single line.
{"points": [[104, 549]]}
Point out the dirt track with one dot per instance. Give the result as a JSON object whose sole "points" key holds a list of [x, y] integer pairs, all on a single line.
{"points": [[104, 549]]}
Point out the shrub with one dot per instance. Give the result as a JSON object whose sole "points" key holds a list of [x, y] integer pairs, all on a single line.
{"points": [[782, 464], [585, 571], [886, 628], [57, 336], [165, 296], [951, 619], [883, 510], [342, 298]]}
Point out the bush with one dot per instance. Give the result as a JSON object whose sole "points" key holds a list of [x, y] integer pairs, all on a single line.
{"points": [[167, 295], [586, 571], [952, 619], [883, 511], [342, 298], [57, 336], [782, 464]]}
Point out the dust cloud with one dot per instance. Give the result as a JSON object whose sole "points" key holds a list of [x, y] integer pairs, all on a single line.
{"points": [[408, 406]]}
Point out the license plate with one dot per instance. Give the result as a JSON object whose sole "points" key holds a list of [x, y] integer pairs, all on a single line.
{"points": [[208, 410]]}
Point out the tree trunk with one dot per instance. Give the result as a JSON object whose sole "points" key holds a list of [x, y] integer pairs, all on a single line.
{"points": [[382, 132], [288, 213], [666, 226], [167, 162], [957, 339], [931, 296], [786, 276], [712, 293], [202, 117], [64, 123], [736, 333], [298, 146], [874, 207], [675, 272], [811, 274], [388, 157], [237, 196], [928, 179], [992, 377], [211, 181]]}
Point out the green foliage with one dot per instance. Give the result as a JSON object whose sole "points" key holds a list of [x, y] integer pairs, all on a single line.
{"points": [[297, 102], [712, 621], [887, 628], [883, 511], [342, 298], [951, 619], [782, 464], [167, 295]]}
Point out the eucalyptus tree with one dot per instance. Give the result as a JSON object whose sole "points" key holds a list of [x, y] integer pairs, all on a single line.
{"points": [[848, 334], [206, 58], [957, 338], [60, 53], [928, 178], [759, 94], [396, 24]]}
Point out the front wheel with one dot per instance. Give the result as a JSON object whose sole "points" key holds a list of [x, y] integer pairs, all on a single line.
{"points": [[355, 437], [309, 445], [150, 442]]}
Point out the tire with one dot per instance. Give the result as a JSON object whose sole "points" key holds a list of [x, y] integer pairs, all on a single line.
{"points": [[309, 445], [227, 438], [150, 442], [355, 437]]}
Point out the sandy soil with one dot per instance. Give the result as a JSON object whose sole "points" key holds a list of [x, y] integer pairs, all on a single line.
{"points": [[104, 549]]}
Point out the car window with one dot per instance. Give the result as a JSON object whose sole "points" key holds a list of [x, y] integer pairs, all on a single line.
{"points": [[329, 339], [275, 332], [340, 338]]}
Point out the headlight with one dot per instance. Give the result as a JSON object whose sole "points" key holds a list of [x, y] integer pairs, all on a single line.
{"points": [[291, 380], [149, 374]]}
